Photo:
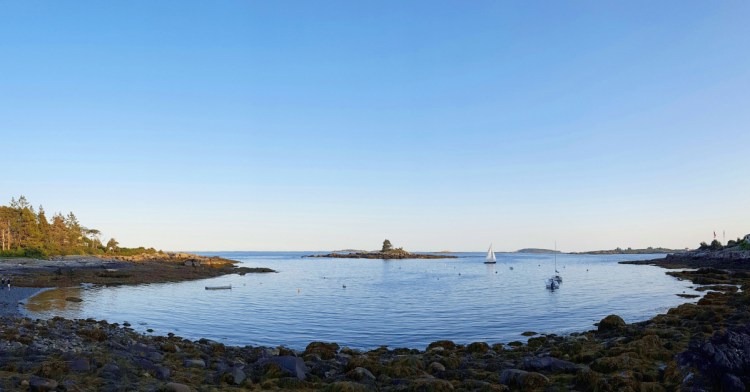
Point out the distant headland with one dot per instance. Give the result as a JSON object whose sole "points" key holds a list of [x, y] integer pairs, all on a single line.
{"points": [[630, 251], [537, 250], [387, 252]]}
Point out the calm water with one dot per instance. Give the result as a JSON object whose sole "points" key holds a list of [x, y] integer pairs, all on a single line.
{"points": [[399, 303]]}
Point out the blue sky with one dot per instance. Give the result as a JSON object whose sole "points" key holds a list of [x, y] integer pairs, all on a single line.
{"points": [[306, 125]]}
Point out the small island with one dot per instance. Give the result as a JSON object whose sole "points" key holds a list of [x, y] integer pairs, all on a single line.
{"points": [[387, 252]]}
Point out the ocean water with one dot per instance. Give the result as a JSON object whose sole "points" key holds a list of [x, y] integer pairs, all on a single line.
{"points": [[397, 303]]}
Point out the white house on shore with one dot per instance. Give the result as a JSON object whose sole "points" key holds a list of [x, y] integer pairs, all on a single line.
{"points": [[747, 238]]}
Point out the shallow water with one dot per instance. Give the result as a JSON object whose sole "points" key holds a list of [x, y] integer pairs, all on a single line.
{"points": [[398, 303]]}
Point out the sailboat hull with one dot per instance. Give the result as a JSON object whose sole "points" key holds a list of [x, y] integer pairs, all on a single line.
{"points": [[490, 262]]}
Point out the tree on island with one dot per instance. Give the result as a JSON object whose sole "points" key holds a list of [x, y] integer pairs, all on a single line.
{"points": [[387, 246], [112, 245]]}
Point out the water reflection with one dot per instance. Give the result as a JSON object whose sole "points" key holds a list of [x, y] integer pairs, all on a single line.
{"points": [[56, 301]]}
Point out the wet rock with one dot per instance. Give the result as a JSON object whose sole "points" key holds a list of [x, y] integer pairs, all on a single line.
{"points": [[549, 364], [73, 299], [612, 322]]}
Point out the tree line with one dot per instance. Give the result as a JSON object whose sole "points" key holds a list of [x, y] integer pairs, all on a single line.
{"points": [[27, 232]]}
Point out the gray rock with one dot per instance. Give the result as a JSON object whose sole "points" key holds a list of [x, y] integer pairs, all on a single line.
{"points": [[361, 374], [294, 365], [194, 363], [162, 373], [236, 376], [549, 364]]}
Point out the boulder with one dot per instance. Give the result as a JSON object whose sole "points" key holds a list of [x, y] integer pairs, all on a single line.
{"points": [[194, 363], [549, 364], [235, 376], [322, 349], [292, 365], [612, 322]]}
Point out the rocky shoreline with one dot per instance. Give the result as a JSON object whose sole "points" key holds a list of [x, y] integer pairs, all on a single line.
{"points": [[696, 347], [118, 270]]}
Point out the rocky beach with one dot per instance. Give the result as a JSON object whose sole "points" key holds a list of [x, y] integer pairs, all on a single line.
{"points": [[696, 347]]}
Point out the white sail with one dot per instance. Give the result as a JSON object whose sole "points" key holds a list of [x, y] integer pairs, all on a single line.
{"points": [[490, 254]]}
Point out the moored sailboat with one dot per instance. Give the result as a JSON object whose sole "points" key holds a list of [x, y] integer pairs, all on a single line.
{"points": [[490, 256]]}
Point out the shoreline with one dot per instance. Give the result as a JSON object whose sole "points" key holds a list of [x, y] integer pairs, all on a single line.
{"points": [[656, 354]]}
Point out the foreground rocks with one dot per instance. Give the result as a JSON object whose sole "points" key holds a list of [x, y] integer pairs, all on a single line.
{"points": [[703, 346]]}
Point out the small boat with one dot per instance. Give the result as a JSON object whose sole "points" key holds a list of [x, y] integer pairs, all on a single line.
{"points": [[552, 284], [219, 287], [557, 276], [490, 256]]}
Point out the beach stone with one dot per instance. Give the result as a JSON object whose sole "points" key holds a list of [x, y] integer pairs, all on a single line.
{"points": [[293, 365], [189, 363], [549, 364], [41, 384], [612, 322], [177, 387]]}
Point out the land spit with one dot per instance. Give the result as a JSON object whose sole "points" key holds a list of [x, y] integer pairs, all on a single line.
{"points": [[701, 346]]}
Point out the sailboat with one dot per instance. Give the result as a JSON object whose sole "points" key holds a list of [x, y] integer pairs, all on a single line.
{"points": [[557, 276], [490, 256]]}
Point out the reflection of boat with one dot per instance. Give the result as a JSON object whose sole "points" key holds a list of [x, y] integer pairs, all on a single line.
{"points": [[490, 256], [219, 287]]}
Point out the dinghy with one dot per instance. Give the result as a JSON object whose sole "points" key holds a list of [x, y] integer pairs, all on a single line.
{"points": [[219, 287]]}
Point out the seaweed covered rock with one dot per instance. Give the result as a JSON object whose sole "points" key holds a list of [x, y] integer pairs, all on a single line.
{"points": [[612, 322]]}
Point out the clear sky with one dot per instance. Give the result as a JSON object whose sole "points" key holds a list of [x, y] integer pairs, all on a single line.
{"points": [[301, 125]]}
